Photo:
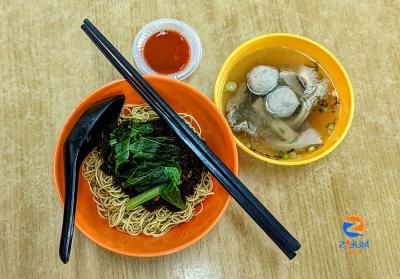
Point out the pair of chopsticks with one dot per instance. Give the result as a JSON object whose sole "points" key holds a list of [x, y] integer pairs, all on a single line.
{"points": [[268, 223]]}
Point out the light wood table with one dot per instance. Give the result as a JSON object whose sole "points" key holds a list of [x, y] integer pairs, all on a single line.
{"points": [[47, 65]]}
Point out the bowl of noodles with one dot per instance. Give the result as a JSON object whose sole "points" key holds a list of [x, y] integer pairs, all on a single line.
{"points": [[107, 211]]}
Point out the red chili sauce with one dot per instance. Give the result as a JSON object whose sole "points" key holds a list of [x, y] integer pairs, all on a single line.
{"points": [[166, 52]]}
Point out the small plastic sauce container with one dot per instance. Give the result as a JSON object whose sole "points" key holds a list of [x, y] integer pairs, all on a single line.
{"points": [[167, 47]]}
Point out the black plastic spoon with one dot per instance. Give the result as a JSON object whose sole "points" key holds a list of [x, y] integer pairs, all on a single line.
{"points": [[84, 136]]}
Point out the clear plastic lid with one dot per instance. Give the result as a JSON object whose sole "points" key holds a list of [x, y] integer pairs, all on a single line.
{"points": [[167, 24]]}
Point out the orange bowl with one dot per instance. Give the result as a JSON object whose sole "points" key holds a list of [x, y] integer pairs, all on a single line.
{"points": [[218, 136]]}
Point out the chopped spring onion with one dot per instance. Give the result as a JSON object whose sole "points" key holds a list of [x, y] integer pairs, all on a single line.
{"points": [[311, 148], [324, 109], [292, 155], [279, 153], [282, 155], [230, 86], [285, 156], [330, 126]]}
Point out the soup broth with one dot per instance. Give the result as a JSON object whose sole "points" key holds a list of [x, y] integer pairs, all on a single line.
{"points": [[323, 116]]}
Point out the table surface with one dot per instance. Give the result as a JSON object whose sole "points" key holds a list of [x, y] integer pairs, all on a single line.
{"points": [[47, 65]]}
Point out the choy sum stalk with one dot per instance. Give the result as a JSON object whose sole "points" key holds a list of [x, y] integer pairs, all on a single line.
{"points": [[142, 198], [168, 191]]}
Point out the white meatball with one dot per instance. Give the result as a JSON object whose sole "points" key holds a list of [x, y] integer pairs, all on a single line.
{"points": [[282, 102], [262, 79]]}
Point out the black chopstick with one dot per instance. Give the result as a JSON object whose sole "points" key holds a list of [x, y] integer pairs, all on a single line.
{"points": [[287, 239], [269, 228], [261, 220], [266, 221], [266, 227]]}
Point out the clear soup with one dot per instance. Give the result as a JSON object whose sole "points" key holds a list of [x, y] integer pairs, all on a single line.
{"points": [[323, 116]]}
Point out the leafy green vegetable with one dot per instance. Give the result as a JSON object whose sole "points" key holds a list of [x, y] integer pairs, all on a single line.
{"points": [[132, 130], [144, 167], [121, 150], [141, 183], [121, 138], [168, 191], [154, 148], [145, 162]]}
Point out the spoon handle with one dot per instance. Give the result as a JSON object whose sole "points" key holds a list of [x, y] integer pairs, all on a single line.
{"points": [[71, 168]]}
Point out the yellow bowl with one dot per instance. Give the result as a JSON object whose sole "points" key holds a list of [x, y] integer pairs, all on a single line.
{"points": [[326, 59]]}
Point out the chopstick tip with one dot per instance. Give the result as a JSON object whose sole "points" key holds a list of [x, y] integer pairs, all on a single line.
{"points": [[292, 255]]}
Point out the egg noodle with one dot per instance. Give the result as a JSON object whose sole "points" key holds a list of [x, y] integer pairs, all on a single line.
{"points": [[110, 199]]}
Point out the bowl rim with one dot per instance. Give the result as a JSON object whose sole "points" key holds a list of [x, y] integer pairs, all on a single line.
{"points": [[217, 95], [59, 144]]}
